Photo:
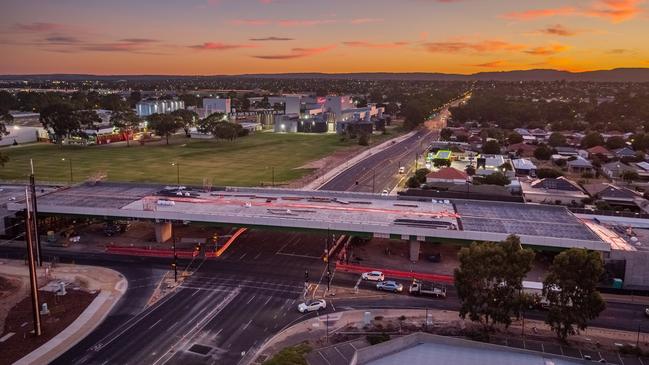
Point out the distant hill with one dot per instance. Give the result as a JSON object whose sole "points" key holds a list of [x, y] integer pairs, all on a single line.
{"points": [[614, 75]]}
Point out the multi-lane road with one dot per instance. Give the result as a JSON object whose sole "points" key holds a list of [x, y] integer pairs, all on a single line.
{"points": [[380, 171]]}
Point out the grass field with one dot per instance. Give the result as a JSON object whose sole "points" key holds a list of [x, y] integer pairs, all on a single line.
{"points": [[247, 161]]}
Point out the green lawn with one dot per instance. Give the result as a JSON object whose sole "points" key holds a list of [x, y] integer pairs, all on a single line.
{"points": [[247, 161]]}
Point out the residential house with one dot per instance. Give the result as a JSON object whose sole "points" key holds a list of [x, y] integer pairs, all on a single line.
{"points": [[553, 191], [579, 165], [642, 168], [624, 152], [614, 195], [521, 149], [523, 166], [615, 169], [447, 175], [600, 152], [567, 151]]}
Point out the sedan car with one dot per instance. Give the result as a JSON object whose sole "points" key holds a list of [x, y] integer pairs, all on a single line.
{"points": [[373, 276], [390, 286], [312, 305]]}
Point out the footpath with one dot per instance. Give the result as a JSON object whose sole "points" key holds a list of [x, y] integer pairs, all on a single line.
{"points": [[321, 332], [110, 284], [331, 174]]}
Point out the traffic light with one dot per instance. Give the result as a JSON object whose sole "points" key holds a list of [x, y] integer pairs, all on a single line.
{"points": [[306, 276]]}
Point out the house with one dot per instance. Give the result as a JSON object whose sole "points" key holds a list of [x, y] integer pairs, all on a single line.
{"points": [[447, 175], [567, 151], [614, 195], [615, 169], [488, 164], [521, 149], [579, 165], [600, 152], [523, 166], [642, 168], [540, 134], [553, 191], [624, 152]]}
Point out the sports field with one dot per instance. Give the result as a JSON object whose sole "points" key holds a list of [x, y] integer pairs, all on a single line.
{"points": [[248, 161]]}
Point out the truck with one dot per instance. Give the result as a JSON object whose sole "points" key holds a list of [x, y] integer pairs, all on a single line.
{"points": [[427, 289]]}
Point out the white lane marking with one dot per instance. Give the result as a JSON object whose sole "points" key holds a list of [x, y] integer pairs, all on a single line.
{"points": [[153, 325], [251, 298], [296, 255], [257, 256], [281, 248], [242, 256]]}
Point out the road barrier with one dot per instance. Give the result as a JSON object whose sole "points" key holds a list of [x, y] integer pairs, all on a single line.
{"points": [[236, 234], [137, 251], [397, 273]]}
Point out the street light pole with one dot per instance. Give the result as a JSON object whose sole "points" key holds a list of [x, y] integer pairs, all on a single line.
{"points": [[175, 263], [70, 165], [272, 169], [177, 172]]}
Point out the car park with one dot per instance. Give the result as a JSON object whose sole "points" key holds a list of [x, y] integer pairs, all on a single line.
{"points": [[390, 285], [312, 305], [373, 276]]}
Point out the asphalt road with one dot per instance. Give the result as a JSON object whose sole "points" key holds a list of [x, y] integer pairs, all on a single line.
{"points": [[380, 171]]}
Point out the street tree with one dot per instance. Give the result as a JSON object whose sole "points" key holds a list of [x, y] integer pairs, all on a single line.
{"points": [[592, 139], [570, 289], [127, 122], [543, 153], [61, 120], [514, 138], [187, 118], [445, 134], [615, 142], [491, 148], [5, 118], [164, 125], [557, 139], [489, 280]]}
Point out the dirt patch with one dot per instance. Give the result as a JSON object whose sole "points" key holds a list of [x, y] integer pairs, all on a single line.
{"points": [[323, 165], [8, 286], [12, 290], [63, 311]]}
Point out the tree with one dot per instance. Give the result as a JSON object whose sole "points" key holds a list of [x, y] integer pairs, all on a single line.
{"points": [[491, 148], [5, 118], [570, 289], [364, 139], [412, 182], [489, 280], [543, 153], [127, 121], [640, 142], [112, 102], [421, 174], [557, 139], [615, 142], [164, 125], [61, 120], [592, 139], [470, 170], [187, 119], [514, 138], [134, 98], [445, 134], [414, 114], [495, 178]]}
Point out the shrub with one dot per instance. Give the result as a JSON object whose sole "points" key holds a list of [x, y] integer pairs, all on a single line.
{"points": [[377, 339]]}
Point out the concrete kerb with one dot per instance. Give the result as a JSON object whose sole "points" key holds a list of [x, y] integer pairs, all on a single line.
{"points": [[331, 174], [87, 321]]}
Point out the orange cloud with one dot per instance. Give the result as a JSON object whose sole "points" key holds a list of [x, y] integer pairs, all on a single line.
{"points": [[492, 64], [250, 22], [365, 44], [558, 30], [615, 10], [218, 46], [482, 46], [297, 53], [547, 50], [540, 13], [366, 20]]}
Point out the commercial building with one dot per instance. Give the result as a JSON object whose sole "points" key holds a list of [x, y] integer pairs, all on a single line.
{"points": [[146, 108], [216, 105]]}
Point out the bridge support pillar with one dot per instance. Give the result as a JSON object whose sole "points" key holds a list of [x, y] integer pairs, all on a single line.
{"points": [[414, 250], [163, 232]]}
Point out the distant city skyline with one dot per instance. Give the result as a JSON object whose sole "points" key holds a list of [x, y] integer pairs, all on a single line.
{"points": [[207, 37]]}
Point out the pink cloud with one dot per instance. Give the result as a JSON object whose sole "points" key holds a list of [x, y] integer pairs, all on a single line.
{"points": [[297, 53], [615, 10], [540, 13], [250, 22], [366, 20], [218, 46], [303, 22]]}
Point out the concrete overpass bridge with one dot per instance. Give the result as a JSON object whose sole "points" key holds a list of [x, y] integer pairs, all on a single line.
{"points": [[415, 220]]}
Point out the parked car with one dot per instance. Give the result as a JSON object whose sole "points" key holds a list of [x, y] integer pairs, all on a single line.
{"points": [[436, 257], [312, 305], [646, 311], [390, 286], [373, 276]]}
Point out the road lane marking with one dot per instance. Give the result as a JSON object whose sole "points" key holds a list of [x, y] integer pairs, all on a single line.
{"points": [[251, 298], [242, 256], [153, 325]]}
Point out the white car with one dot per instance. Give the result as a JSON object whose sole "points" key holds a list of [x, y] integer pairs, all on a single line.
{"points": [[385, 193], [373, 276], [312, 305]]}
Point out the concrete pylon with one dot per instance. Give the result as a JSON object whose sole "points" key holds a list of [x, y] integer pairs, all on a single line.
{"points": [[163, 232], [414, 250]]}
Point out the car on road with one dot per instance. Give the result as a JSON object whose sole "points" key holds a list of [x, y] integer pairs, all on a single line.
{"points": [[389, 285], [646, 311], [385, 193], [402, 170], [312, 305], [373, 276]]}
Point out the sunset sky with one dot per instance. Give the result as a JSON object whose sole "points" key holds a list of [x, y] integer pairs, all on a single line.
{"points": [[209, 37]]}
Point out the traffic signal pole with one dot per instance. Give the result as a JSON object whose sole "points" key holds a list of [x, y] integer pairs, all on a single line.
{"points": [[33, 281]]}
